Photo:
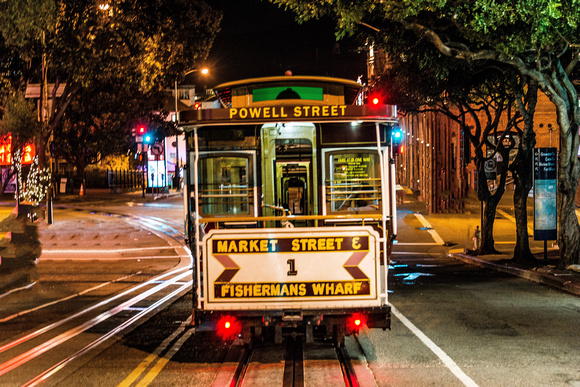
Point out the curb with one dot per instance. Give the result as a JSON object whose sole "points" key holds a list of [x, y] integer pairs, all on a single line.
{"points": [[551, 280]]}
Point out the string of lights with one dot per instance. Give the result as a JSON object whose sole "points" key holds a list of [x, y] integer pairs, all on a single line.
{"points": [[37, 183]]}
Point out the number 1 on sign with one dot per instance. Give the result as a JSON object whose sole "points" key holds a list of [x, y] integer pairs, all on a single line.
{"points": [[292, 264]]}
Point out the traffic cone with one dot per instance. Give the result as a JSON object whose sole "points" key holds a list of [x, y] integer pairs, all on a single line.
{"points": [[82, 191]]}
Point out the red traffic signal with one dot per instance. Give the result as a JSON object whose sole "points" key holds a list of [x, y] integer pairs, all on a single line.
{"points": [[197, 105], [138, 131], [375, 98]]}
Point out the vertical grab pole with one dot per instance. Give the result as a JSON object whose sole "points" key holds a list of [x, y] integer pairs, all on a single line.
{"points": [[188, 230], [196, 215], [384, 185], [393, 192]]}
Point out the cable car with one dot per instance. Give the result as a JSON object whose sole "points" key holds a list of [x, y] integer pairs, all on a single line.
{"points": [[290, 202]]}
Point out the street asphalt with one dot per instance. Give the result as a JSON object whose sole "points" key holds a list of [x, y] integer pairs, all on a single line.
{"points": [[454, 230]]}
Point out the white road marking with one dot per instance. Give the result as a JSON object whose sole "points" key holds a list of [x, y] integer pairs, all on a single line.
{"points": [[433, 233], [449, 363], [417, 254]]}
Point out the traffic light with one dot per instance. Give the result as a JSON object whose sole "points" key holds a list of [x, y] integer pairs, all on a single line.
{"points": [[397, 137], [140, 132], [197, 105], [376, 97], [147, 138]]}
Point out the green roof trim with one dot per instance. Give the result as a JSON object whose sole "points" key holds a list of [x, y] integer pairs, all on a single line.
{"points": [[288, 92]]}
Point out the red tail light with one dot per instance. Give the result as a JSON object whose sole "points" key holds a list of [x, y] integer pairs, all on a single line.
{"points": [[355, 323], [228, 327]]}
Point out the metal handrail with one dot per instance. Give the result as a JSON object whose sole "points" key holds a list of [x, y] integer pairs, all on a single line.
{"points": [[355, 216]]}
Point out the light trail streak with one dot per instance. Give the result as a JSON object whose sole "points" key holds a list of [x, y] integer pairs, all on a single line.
{"points": [[11, 317], [48, 345]]}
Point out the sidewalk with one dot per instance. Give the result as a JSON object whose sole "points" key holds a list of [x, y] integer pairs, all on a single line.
{"points": [[456, 230]]}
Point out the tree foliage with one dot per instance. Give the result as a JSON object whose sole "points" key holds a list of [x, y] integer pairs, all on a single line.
{"points": [[476, 96], [19, 122], [87, 47], [537, 38], [19, 119]]}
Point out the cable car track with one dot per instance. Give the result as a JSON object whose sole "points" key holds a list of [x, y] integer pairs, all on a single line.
{"points": [[298, 369], [48, 349]]}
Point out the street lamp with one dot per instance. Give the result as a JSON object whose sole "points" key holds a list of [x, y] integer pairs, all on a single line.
{"points": [[204, 71]]}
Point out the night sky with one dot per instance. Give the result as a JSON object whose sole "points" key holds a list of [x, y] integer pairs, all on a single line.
{"points": [[259, 39]]}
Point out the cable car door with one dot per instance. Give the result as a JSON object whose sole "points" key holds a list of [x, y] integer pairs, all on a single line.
{"points": [[289, 173]]}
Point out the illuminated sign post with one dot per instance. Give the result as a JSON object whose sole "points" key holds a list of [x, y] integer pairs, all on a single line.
{"points": [[157, 171], [545, 195]]}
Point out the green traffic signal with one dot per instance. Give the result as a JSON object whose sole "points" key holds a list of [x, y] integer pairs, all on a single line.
{"points": [[397, 137]]}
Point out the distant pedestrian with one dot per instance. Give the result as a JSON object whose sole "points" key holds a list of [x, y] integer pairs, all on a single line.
{"points": [[476, 238]]}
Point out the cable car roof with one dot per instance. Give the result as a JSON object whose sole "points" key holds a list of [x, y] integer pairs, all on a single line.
{"points": [[346, 89]]}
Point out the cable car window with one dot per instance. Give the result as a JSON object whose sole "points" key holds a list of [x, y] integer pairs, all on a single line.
{"points": [[224, 185], [225, 137], [354, 183]]}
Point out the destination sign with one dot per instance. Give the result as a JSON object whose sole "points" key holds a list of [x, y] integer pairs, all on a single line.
{"points": [[545, 163], [280, 265], [288, 112], [294, 289], [273, 245], [281, 113]]}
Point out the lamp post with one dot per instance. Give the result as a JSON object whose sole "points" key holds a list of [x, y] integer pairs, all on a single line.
{"points": [[204, 71]]}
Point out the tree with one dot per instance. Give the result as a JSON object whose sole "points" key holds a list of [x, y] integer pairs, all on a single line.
{"points": [[485, 105], [145, 44], [11, 67], [421, 79], [479, 96], [538, 39], [526, 91], [20, 123], [93, 126]]}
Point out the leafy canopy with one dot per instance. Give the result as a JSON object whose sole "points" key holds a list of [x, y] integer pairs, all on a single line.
{"points": [[506, 26]]}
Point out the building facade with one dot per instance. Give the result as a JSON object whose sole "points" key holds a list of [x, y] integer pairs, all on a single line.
{"points": [[438, 166]]}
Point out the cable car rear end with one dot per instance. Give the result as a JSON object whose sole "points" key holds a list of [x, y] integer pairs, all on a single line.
{"points": [[290, 199]]}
